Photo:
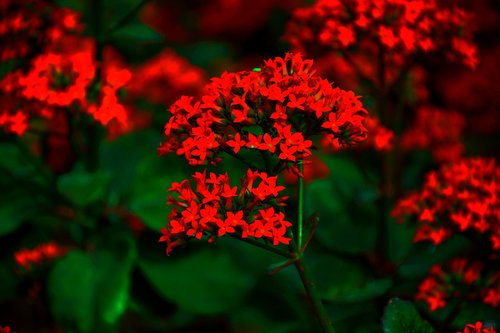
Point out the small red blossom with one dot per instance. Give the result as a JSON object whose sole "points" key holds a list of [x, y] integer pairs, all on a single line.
{"points": [[162, 78], [478, 327], [209, 206], [457, 278], [42, 253], [415, 26], [285, 101], [379, 136], [458, 198], [438, 130]]}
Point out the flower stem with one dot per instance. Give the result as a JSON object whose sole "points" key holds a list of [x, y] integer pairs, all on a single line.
{"points": [[300, 209], [313, 295], [305, 275]]}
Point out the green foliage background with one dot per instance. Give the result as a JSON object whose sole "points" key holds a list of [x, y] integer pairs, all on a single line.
{"points": [[116, 281]]}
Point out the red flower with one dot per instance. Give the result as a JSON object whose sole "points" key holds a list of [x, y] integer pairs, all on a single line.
{"points": [[460, 197], [164, 77], [41, 253], [414, 26], [459, 278], [478, 327], [210, 207], [437, 130], [284, 100]]}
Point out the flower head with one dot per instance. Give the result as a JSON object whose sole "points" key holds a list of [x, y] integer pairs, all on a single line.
{"points": [[276, 110], [399, 26], [208, 206], [462, 197]]}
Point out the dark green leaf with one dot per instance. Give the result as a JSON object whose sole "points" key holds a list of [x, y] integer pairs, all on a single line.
{"points": [[402, 317], [89, 291], [83, 188], [72, 288], [139, 32], [369, 290], [14, 210], [204, 283]]}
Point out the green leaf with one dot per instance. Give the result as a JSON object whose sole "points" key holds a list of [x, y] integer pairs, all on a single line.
{"points": [[72, 289], [139, 32], [83, 188], [13, 161], [203, 283], [124, 156], [345, 224], [15, 210], [148, 200], [331, 272], [114, 269], [402, 317], [423, 255], [89, 291], [367, 291]]}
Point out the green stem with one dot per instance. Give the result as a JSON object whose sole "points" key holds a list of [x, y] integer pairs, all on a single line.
{"points": [[300, 209], [313, 295], [305, 276]]}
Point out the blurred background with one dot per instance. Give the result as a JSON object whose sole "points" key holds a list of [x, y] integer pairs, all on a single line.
{"points": [[83, 197]]}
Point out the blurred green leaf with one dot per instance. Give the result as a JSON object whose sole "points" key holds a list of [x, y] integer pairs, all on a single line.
{"points": [[114, 269], [399, 240], [346, 207], [72, 288], [122, 157], [206, 54], [206, 282], [74, 4], [148, 200], [332, 273], [344, 224], [89, 291], [369, 290], [136, 31], [422, 256], [14, 210], [13, 161], [402, 317], [83, 188]]}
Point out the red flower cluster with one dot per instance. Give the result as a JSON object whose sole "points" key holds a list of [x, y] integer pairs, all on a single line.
{"points": [[41, 253], [478, 327], [212, 207], [63, 77], [459, 278], [165, 76], [379, 136], [404, 27], [276, 109], [26, 25], [438, 130], [460, 197]]}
